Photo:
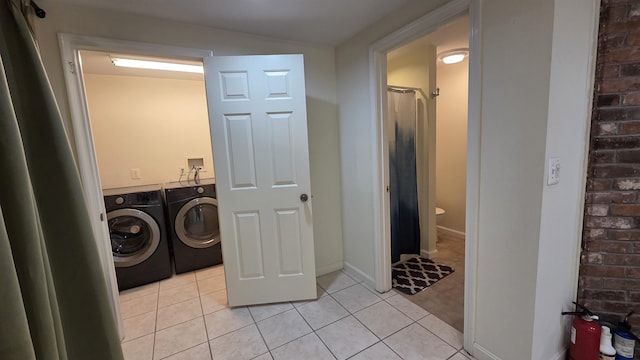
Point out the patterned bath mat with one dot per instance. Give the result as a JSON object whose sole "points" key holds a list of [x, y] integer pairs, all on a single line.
{"points": [[416, 274]]}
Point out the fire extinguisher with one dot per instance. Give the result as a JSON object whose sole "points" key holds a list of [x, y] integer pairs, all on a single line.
{"points": [[624, 340], [585, 334]]}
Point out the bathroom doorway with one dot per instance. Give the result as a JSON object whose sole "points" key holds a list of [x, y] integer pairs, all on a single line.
{"points": [[434, 125]]}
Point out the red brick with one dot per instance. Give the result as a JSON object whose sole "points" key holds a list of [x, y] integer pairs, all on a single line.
{"points": [[612, 71], [627, 184], [633, 39], [616, 308], [634, 296], [622, 247], [599, 184], [634, 9], [603, 157], [632, 272], [617, 13], [622, 259], [629, 128], [620, 84], [595, 234], [608, 100], [622, 55], [605, 271], [597, 210], [592, 282], [616, 171], [631, 99], [591, 258], [622, 28], [619, 113], [608, 222], [604, 128], [613, 295], [633, 235], [625, 210], [630, 70], [626, 156], [626, 284], [611, 197]]}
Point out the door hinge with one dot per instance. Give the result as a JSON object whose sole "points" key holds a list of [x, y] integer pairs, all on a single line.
{"points": [[387, 188], [101, 216], [72, 67]]}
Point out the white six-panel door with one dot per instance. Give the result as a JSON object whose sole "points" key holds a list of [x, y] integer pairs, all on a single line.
{"points": [[258, 122]]}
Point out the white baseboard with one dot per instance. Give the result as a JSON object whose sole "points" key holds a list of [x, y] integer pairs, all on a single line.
{"points": [[450, 232], [359, 274], [480, 353], [561, 355], [326, 269], [428, 254]]}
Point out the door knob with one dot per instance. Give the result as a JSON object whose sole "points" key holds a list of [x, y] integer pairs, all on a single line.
{"points": [[304, 197]]}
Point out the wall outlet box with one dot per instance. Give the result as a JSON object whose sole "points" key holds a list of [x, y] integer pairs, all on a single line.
{"points": [[195, 162]]}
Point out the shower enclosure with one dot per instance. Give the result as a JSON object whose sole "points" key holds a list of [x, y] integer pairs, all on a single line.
{"points": [[403, 172]]}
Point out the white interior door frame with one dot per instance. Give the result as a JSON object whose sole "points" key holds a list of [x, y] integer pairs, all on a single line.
{"points": [[378, 79], [70, 47]]}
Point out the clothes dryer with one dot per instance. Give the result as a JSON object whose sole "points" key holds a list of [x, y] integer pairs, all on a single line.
{"points": [[192, 210], [135, 216]]}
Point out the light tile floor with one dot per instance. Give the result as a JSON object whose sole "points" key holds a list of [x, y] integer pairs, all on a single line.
{"points": [[187, 317]]}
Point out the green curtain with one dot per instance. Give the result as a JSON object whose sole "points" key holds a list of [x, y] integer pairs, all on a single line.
{"points": [[54, 301]]}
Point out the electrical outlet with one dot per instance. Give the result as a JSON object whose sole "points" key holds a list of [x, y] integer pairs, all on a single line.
{"points": [[135, 174], [553, 173]]}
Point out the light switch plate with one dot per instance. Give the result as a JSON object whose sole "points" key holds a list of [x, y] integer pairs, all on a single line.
{"points": [[553, 173]]}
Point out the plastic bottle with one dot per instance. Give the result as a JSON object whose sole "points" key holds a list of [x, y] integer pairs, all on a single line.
{"points": [[607, 351], [624, 340]]}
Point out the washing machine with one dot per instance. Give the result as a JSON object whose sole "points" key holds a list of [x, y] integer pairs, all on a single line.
{"points": [[192, 212], [135, 216]]}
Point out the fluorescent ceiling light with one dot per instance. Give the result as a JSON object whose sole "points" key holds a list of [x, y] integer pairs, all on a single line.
{"points": [[156, 65], [453, 56]]}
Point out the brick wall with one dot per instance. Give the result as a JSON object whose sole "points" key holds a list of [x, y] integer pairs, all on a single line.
{"points": [[610, 263]]}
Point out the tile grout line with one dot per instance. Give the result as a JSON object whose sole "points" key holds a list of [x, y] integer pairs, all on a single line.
{"points": [[314, 330], [259, 332], [206, 329], [155, 325]]}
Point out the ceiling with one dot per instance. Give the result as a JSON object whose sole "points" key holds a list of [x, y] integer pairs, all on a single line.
{"points": [[452, 35], [328, 22]]}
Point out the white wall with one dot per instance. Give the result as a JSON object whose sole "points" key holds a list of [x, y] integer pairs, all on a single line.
{"points": [[150, 124], [451, 143], [320, 88], [516, 50], [570, 94], [516, 261]]}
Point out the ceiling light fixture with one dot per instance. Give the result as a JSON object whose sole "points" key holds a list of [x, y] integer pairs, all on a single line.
{"points": [[453, 56], [156, 65]]}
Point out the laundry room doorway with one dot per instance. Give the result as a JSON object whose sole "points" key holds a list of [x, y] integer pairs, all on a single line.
{"points": [[287, 256]]}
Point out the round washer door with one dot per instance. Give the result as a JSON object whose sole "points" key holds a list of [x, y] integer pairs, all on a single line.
{"points": [[134, 234], [196, 223]]}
